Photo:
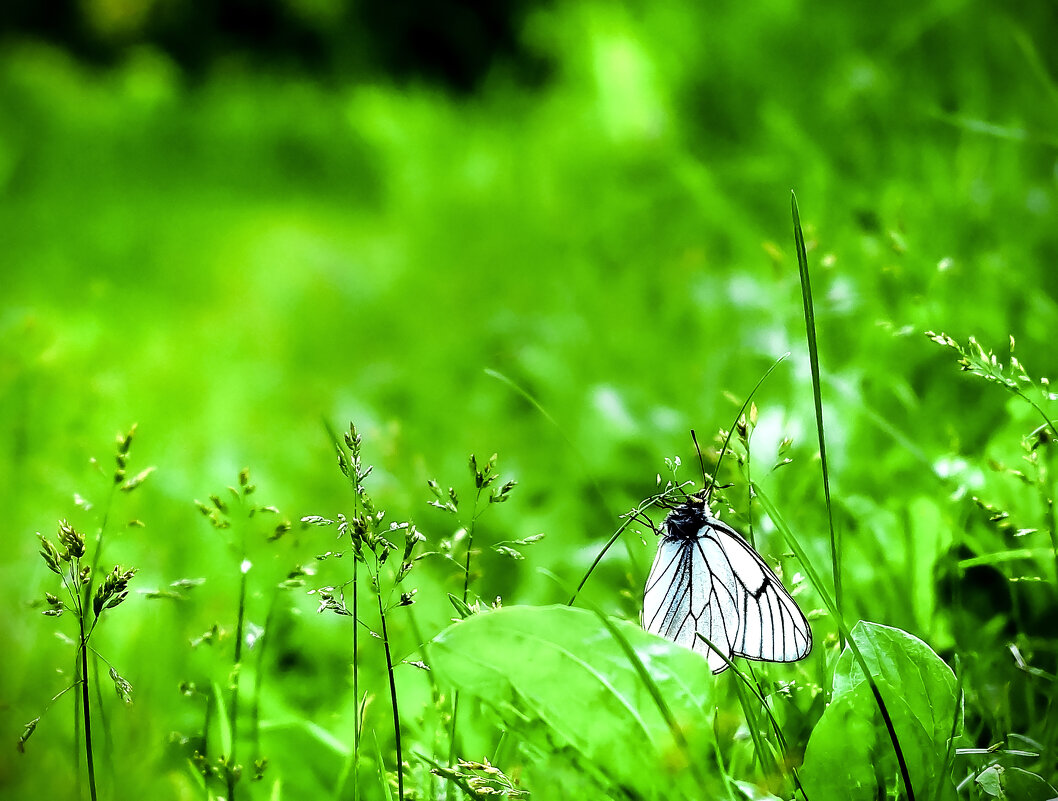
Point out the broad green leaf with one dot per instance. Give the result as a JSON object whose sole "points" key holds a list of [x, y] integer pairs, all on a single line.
{"points": [[850, 754], [901, 660], [560, 680], [1024, 785]]}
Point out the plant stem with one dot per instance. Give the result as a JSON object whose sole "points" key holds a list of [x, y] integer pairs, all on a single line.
{"points": [[470, 547], [234, 713], [466, 594], [393, 700], [85, 708], [207, 719], [435, 691], [356, 687]]}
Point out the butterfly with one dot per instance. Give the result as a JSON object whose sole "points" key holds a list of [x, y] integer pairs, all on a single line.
{"points": [[707, 579]]}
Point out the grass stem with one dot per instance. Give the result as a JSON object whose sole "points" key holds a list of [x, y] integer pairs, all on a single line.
{"points": [[237, 671], [86, 707], [393, 700], [356, 685]]}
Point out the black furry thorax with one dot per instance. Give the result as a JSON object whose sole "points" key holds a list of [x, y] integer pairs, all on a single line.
{"points": [[686, 520]]}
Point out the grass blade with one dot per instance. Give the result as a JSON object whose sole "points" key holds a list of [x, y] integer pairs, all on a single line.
{"points": [[813, 355], [802, 557], [751, 685]]}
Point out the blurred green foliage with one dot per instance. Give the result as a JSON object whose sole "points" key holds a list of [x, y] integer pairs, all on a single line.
{"points": [[227, 260]]}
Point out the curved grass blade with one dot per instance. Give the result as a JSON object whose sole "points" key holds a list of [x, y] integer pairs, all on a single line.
{"points": [[753, 688], [813, 577], [738, 416], [813, 355]]}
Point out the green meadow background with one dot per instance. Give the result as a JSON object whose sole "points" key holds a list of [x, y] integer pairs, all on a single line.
{"points": [[232, 250]]}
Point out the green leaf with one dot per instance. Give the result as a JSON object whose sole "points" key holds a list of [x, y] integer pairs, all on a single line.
{"points": [[990, 780], [222, 718], [925, 681], [558, 677], [1026, 786], [461, 608], [849, 754]]}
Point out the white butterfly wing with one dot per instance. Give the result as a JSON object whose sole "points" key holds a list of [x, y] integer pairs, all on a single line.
{"points": [[774, 629], [677, 602], [717, 585]]}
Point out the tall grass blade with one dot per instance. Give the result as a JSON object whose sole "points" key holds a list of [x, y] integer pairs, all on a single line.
{"points": [[831, 604], [383, 779], [813, 355]]}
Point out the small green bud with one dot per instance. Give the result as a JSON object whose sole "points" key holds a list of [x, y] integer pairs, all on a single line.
{"points": [[26, 734]]}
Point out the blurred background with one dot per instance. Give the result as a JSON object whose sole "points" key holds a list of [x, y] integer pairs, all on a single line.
{"points": [[230, 221]]}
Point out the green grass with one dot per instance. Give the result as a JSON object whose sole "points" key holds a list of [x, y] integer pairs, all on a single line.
{"points": [[226, 264]]}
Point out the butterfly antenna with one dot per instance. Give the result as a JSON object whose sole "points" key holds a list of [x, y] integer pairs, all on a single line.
{"points": [[701, 461], [730, 430]]}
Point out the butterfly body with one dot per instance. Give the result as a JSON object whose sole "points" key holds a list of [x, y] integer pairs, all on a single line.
{"points": [[706, 579]]}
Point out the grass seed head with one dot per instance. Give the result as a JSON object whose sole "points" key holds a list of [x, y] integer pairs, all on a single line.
{"points": [[72, 539]]}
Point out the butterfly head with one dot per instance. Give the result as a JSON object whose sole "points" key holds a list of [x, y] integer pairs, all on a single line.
{"points": [[685, 522]]}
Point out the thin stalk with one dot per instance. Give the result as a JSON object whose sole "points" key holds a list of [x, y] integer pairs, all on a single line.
{"points": [[1038, 408], [633, 516], [356, 685], [759, 695], [76, 743], [727, 440], [620, 530], [97, 552], [85, 707], [813, 577], [1046, 490], [452, 741], [81, 711], [258, 678], [435, 690], [234, 712], [393, 700], [764, 755], [749, 495], [352, 472], [455, 695], [466, 594], [725, 771], [813, 355], [206, 720], [101, 714], [470, 545]]}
